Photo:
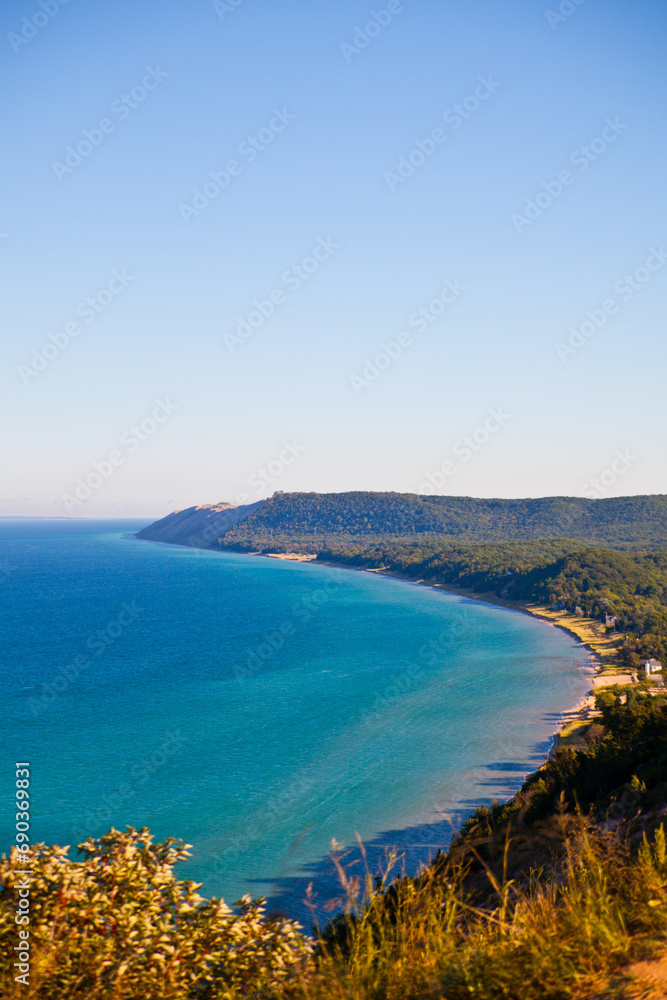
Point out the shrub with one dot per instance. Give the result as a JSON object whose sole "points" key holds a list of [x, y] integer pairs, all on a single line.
{"points": [[118, 925]]}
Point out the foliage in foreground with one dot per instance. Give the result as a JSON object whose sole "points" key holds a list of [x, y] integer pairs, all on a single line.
{"points": [[118, 926], [559, 937]]}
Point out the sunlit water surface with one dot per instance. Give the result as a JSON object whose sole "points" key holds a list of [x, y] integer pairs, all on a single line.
{"points": [[259, 708]]}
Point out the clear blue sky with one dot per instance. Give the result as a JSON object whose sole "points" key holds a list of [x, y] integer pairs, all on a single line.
{"points": [[333, 112]]}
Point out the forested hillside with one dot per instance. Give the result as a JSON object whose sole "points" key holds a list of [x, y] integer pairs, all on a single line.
{"points": [[598, 556], [297, 519]]}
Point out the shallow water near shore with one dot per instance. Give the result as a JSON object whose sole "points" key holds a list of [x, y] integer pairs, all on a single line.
{"points": [[259, 708]]}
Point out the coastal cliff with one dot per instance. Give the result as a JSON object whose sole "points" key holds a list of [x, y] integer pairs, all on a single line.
{"points": [[199, 527]]}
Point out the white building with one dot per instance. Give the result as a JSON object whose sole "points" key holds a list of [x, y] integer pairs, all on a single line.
{"points": [[651, 667]]}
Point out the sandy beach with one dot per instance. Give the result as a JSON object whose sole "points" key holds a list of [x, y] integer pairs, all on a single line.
{"points": [[291, 556]]}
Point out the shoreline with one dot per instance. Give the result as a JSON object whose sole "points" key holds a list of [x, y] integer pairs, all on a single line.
{"points": [[602, 668], [588, 635], [584, 630]]}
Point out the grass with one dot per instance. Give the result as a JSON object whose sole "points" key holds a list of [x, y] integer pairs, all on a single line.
{"points": [[569, 935], [593, 634], [573, 733], [593, 926], [533, 901]]}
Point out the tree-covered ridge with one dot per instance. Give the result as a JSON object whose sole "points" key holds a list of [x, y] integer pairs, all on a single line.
{"points": [[296, 518], [543, 553], [599, 582]]}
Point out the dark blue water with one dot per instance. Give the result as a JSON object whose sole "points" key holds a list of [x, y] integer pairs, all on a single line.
{"points": [[259, 708]]}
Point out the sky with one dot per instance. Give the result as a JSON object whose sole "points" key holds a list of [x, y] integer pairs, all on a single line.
{"points": [[248, 247]]}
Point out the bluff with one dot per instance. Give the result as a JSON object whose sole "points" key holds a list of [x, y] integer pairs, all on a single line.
{"points": [[315, 520], [199, 527]]}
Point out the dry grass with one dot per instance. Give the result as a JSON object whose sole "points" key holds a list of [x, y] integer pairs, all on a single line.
{"points": [[593, 927], [565, 937], [592, 633], [573, 733]]}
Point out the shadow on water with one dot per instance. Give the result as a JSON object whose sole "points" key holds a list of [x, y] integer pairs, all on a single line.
{"points": [[416, 846]]}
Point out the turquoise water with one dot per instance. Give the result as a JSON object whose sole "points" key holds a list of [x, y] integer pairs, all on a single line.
{"points": [[259, 708]]}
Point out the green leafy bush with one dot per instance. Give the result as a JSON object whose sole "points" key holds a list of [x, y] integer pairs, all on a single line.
{"points": [[118, 924]]}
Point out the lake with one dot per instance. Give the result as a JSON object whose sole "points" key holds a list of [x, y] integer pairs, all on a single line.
{"points": [[258, 708]]}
